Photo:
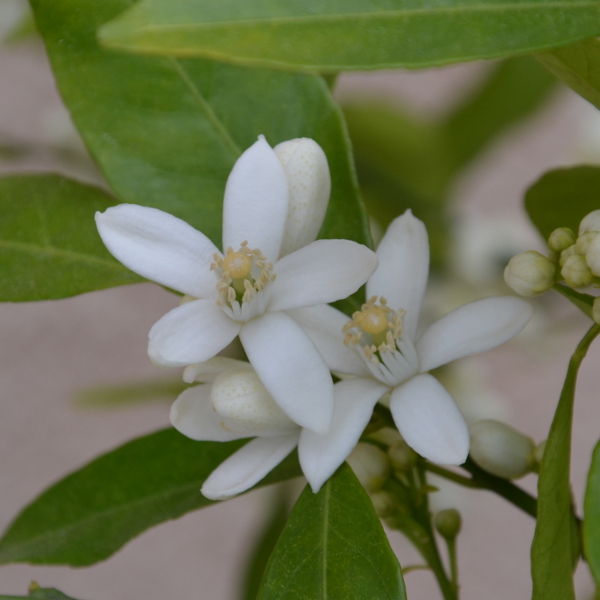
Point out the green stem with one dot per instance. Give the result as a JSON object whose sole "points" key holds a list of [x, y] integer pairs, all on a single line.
{"points": [[453, 562]]}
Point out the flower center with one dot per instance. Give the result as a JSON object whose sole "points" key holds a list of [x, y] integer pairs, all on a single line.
{"points": [[244, 274], [376, 327]]}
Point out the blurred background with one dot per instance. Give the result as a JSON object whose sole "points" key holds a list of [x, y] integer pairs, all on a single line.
{"points": [[459, 145]]}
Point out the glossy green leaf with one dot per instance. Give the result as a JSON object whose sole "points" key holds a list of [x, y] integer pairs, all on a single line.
{"points": [[551, 551], [591, 521], [91, 513], [578, 65], [166, 132], [333, 547], [352, 34], [49, 245], [562, 197]]}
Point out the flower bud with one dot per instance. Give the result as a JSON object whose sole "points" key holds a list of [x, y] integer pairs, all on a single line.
{"points": [[501, 450], [592, 256], [448, 523], [576, 272], [538, 453], [383, 503], [583, 242], [565, 254], [370, 465], [530, 273], [560, 239], [590, 222], [402, 456], [245, 406], [307, 171]]}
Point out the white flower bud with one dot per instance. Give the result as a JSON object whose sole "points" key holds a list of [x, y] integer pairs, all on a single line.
{"points": [[565, 254], [370, 465], [576, 272], [530, 273], [402, 456], [309, 182], [592, 256], [383, 503], [596, 310], [245, 406], [583, 242], [560, 239], [590, 222], [448, 523], [501, 450]]}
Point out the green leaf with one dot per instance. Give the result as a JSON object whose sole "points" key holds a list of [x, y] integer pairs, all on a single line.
{"points": [[38, 593], [562, 197], [167, 132], [351, 34], [591, 522], [333, 547], [94, 511], [551, 551], [49, 245], [578, 65]]}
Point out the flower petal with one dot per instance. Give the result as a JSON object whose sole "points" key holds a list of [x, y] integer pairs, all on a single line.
{"points": [[256, 201], [193, 415], [207, 371], [472, 328], [160, 247], [321, 455], [429, 420], [291, 368], [322, 272], [190, 333], [247, 466], [324, 324], [309, 181], [401, 277]]}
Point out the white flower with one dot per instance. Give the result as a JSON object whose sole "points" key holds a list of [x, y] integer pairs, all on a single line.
{"points": [[244, 290], [233, 404], [385, 351]]}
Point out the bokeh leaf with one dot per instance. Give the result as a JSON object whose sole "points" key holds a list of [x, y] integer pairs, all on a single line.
{"points": [[578, 65], [166, 132], [333, 547], [49, 245], [562, 197], [90, 514], [552, 548], [38, 593], [351, 34], [591, 521]]}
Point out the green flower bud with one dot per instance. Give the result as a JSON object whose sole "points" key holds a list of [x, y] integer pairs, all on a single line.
{"points": [[596, 310], [576, 272], [583, 242], [560, 239], [448, 523], [530, 273], [590, 222], [370, 465], [565, 254], [383, 503], [501, 450], [402, 456], [592, 256]]}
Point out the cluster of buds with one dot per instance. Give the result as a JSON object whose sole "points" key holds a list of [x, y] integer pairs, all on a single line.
{"points": [[574, 259]]}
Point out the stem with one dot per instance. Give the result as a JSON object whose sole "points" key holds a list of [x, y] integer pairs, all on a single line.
{"points": [[452, 476], [453, 562]]}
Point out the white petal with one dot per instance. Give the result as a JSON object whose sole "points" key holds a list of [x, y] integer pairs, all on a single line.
{"points": [[291, 368], [321, 455], [472, 328], [247, 466], [401, 277], [256, 201], [160, 247], [429, 420], [190, 333], [208, 370], [193, 415], [309, 181], [324, 324], [322, 272]]}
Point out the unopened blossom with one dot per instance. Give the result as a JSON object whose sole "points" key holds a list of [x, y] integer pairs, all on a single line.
{"points": [[245, 289], [233, 404], [386, 352]]}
